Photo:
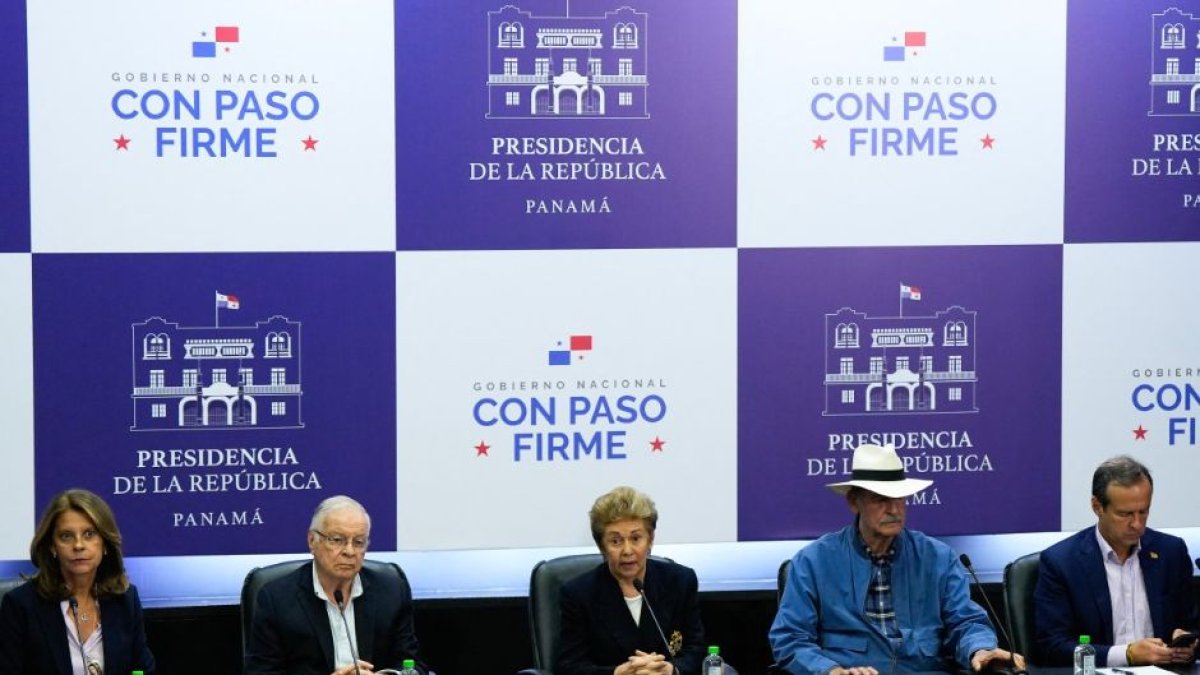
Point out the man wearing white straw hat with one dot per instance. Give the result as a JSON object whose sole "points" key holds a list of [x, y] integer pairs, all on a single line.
{"points": [[876, 597]]}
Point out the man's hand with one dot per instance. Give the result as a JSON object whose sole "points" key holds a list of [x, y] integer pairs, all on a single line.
{"points": [[1186, 653], [995, 658], [854, 670], [363, 667], [1151, 651]]}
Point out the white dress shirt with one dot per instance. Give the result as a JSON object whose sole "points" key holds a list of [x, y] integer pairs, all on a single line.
{"points": [[1127, 593], [343, 653]]}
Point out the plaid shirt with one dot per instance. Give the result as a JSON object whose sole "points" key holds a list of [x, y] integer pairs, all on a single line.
{"points": [[879, 609]]}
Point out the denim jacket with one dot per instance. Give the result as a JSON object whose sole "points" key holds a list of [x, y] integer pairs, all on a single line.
{"points": [[821, 624]]}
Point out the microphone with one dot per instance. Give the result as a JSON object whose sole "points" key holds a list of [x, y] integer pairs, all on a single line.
{"points": [[88, 666], [339, 598], [641, 589], [1012, 658], [1197, 562]]}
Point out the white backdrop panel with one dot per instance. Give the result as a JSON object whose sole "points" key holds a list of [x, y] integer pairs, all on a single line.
{"points": [[16, 414], [800, 61], [474, 326], [1129, 341], [89, 194]]}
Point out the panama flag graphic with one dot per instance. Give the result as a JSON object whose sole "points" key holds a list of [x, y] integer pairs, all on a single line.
{"points": [[910, 292], [226, 301]]}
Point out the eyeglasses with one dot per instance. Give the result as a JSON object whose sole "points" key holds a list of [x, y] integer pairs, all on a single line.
{"points": [[337, 542]]}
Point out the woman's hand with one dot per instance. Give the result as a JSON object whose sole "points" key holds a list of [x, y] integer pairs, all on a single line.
{"points": [[645, 663]]}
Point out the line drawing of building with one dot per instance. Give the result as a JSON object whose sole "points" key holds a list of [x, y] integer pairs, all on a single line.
{"points": [[898, 365], [1174, 64], [567, 66], [210, 377]]}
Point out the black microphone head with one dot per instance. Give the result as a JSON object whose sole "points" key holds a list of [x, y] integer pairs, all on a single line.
{"points": [[73, 602], [337, 597], [1197, 562], [965, 560], [638, 585]]}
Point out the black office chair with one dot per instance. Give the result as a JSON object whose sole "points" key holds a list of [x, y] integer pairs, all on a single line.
{"points": [[545, 613], [545, 609], [260, 576], [781, 581], [1020, 578], [7, 585], [255, 580], [780, 584]]}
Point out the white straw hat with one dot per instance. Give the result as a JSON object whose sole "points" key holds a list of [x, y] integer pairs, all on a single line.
{"points": [[880, 470]]}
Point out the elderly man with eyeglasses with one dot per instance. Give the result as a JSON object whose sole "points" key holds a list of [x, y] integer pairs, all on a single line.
{"points": [[333, 615]]}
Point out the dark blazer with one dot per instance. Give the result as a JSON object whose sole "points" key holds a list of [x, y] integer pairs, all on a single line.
{"points": [[1071, 597], [598, 633], [33, 634], [290, 633]]}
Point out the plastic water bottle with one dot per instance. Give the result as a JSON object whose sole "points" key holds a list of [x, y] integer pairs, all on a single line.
{"points": [[410, 668], [713, 663], [1085, 656]]}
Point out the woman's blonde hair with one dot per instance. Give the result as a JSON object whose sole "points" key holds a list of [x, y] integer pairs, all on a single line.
{"points": [[621, 503]]}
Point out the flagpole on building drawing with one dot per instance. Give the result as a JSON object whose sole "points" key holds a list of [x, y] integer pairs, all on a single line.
{"points": [[217, 309]]}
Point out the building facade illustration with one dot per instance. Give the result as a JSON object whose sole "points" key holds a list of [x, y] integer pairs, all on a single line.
{"points": [[567, 66], [900, 364], [1175, 66], [216, 377]]}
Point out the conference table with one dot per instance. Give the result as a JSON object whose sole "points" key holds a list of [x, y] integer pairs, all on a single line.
{"points": [[1189, 669]]}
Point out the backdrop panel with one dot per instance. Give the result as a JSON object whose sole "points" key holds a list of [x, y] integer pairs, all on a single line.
{"points": [[212, 126], [14, 123], [531, 383], [883, 123], [16, 415], [552, 124], [1133, 103], [478, 262], [1130, 373], [216, 425], [960, 371]]}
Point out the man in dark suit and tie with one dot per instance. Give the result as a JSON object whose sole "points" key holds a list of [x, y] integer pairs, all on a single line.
{"points": [[298, 626], [1123, 584]]}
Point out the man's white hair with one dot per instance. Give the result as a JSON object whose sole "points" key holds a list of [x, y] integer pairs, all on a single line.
{"points": [[336, 503]]}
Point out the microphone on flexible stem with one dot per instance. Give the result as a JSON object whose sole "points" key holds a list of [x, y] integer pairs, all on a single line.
{"points": [[1012, 655], [339, 598], [641, 589], [88, 667], [1197, 562]]}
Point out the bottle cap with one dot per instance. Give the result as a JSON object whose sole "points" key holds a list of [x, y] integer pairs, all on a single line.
{"points": [[409, 664], [1085, 639], [713, 649]]}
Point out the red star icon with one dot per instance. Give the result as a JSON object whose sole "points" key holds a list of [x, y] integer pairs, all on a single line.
{"points": [[819, 142], [122, 142], [481, 449], [657, 444], [1139, 434], [987, 141], [310, 143]]}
